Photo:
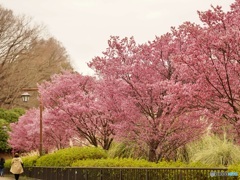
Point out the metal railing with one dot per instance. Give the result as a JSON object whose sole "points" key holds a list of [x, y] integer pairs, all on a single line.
{"points": [[88, 173]]}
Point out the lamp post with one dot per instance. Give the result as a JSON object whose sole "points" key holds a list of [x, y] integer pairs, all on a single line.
{"points": [[25, 98]]}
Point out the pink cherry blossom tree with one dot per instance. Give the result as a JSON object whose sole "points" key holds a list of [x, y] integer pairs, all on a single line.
{"points": [[24, 135], [72, 99], [210, 56], [151, 103], [57, 135]]}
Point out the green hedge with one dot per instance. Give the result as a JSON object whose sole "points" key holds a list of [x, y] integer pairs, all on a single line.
{"points": [[153, 174], [116, 162], [79, 160], [66, 157], [96, 157], [129, 162]]}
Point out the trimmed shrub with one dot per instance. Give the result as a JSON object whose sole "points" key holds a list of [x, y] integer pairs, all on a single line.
{"points": [[8, 163], [129, 162], [133, 165], [65, 157], [30, 161], [116, 162]]}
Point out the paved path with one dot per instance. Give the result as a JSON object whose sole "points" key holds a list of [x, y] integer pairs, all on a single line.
{"points": [[7, 177], [11, 177]]}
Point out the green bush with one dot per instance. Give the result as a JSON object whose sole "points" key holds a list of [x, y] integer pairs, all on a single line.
{"points": [[8, 163], [3, 138], [65, 157], [28, 161], [11, 115], [7, 117]]}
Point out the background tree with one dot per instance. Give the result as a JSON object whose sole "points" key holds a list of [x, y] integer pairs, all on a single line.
{"points": [[11, 115], [26, 56], [72, 99]]}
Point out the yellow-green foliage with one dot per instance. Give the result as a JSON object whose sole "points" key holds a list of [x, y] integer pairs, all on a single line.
{"points": [[79, 161], [180, 164], [29, 161], [116, 162], [235, 168], [8, 163], [66, 157], [127, 150], [129, 162], [214, 151]]}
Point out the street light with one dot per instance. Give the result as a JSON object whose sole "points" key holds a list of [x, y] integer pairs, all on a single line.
{"points": [[25, 98]]}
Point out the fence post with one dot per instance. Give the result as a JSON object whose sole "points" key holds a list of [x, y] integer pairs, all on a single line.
{"points": [[75, 174], [180, 174], [101, 174], [120, 174]]}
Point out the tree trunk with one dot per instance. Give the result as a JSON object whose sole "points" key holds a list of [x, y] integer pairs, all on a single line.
{"points": [[152, 156]]}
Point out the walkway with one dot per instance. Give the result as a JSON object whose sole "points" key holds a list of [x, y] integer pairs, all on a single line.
{"points": [[11, 177], [7, 177]]}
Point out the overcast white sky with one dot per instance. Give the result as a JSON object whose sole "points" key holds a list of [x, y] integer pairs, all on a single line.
{"points": [[84, 26]]}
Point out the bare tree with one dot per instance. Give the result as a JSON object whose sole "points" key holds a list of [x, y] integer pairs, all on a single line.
{"points": [[26, 57]]}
